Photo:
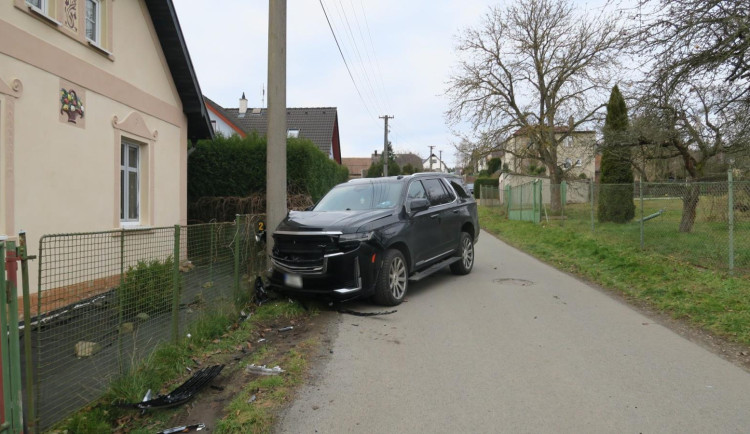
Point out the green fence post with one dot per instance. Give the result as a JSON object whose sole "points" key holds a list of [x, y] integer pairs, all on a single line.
{"points": [[563, 200], [7, 401], [120, 303], [211, 248], [14, 351], [237, 258], [508, 198], [176, 287], [591, 193], [640, 182], [731, 221], [30, 410]]}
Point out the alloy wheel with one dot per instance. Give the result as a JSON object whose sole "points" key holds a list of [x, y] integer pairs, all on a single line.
{"points": [[397, 278]]}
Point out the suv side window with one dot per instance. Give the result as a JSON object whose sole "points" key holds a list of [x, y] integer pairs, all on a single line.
{"points": [[449, 191], [436, 192], [460, 190], [416, 191]]}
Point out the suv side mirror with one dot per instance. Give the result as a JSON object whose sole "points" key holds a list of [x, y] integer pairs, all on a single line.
{"points": [[416, 205]]}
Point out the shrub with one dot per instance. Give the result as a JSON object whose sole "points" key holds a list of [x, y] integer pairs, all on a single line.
{"points": [[235, 166], [148, 288]]}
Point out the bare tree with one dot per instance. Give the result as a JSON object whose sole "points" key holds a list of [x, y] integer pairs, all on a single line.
{"points": [[695, 120], [690, 37], [535, 66]]}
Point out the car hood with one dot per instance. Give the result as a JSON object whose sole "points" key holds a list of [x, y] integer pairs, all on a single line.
{"points": [[342, 221]]}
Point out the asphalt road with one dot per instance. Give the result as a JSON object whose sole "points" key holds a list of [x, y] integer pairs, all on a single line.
{"points": [[518, 347]]}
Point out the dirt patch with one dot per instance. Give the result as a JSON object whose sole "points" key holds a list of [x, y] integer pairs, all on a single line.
{"points": [[210, 404]]}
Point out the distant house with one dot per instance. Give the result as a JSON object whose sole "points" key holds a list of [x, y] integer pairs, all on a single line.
{"points": [[317, 124], [434, 164], [357, 166], [402, 159], [576, 155]]}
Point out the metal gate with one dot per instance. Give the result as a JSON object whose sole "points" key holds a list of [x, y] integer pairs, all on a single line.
{"points": [[524, 201]]}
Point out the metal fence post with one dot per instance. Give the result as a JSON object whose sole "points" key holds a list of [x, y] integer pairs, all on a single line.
{"points": [[563, 199], [731, 221], [508, 198], [30, 409], [7, 401], [176, 287], [237, 258], [640, 183], [13, 394], [591, 193], [120, 302]]}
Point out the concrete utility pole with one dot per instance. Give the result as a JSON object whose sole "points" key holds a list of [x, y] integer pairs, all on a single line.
{"points": [[431, 154], [276, 148], [385, 144]]}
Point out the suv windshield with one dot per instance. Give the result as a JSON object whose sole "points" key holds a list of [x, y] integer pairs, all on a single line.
{"points": [[348, 197]]}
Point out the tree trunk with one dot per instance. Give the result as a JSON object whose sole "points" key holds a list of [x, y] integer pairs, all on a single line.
{"points": [[555, 192], [689, 207]]}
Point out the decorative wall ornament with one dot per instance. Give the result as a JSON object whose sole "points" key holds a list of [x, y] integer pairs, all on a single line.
{"points": [[72, 104], [71, 15], [136, 125]]}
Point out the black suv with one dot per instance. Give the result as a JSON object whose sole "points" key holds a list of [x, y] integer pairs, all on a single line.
{"points": [[370, 237]]}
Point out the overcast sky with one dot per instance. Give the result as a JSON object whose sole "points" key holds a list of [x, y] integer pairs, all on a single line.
{"points": [[400, 54]]}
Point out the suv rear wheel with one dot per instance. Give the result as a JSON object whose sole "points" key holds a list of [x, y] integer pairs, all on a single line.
{"points": [[393, 279], [466, 252]]}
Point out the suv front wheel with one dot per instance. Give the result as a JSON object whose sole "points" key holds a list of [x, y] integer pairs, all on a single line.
{"points": [[466, 253], [393, 279]]}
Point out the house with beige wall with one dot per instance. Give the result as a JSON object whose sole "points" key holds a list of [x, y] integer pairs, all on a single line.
{"points": [[576, 153], [98, 103]]}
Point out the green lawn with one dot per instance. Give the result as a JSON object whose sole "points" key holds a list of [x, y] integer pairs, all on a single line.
{"points": [[707, 297]]}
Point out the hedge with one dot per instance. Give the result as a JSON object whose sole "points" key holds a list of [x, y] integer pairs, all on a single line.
{"points": [[235, 166], [493, 182]]}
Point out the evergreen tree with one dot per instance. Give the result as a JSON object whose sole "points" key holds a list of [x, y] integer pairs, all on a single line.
{"points": [[616, 189]]}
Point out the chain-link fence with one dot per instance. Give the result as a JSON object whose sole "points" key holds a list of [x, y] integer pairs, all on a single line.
{"points": [[107, 299], [706, 224]]}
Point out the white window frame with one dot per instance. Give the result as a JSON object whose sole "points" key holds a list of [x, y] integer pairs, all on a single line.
{"points": [[42, 5], [125, 167], [292, 133], [97, 21]]}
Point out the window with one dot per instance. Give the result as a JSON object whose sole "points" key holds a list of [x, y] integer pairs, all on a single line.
{"points": [[460, 189], [416, 191], [292, 133], [567, 163], [130, 183], [436, 192], [93, 21], [39, 4], [579, 163]]}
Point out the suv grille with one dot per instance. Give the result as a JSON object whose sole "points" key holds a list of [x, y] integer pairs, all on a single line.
{"points": [[303, 253]]}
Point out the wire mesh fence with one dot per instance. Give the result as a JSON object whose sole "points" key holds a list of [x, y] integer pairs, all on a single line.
{"points": [[706, 224], [106, 300]]}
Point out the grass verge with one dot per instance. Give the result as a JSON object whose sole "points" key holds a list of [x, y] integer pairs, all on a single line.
{"points": [[217, 338], [708, 298]]}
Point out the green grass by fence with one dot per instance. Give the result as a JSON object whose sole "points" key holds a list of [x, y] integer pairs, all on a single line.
{"points": [[106, 300], [719, 230]]}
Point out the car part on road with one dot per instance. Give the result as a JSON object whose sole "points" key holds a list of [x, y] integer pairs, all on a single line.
{"points": [[182, 394], [262, 370], [355, 313], [184, 428]]}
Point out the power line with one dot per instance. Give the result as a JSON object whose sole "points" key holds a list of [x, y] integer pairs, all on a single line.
{"points": [[344, 58]]}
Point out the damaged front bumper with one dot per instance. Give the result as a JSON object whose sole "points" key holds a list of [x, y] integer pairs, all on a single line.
{"points": [[338, 276]]}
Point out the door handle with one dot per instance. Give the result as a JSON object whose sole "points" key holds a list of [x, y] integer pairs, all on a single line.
{"points": [[434, 216], [455, 211]]}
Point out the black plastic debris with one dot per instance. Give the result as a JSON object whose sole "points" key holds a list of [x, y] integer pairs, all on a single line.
{"points": [[183, 393], [184, 428], [355, 313], [261, 295]]}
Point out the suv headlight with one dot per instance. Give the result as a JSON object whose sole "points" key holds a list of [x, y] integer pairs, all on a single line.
{"points": [[357, 236]]}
